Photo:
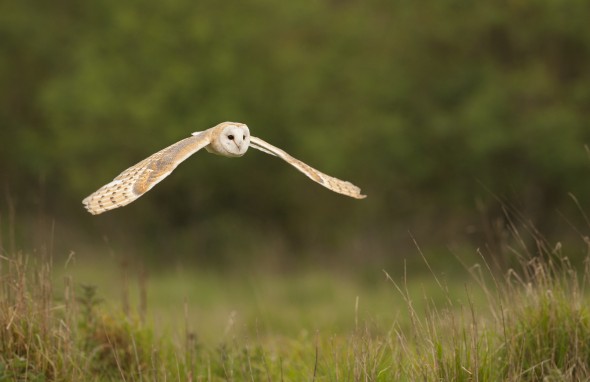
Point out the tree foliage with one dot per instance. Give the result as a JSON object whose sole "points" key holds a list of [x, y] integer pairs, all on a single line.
{"points": [[420, 103]]}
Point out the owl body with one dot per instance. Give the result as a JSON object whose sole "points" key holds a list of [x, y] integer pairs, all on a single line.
{"points": [[229, 139]]}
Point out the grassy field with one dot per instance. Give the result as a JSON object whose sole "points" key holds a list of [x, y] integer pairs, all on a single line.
{"points": [[86, 321], [247, 303]]}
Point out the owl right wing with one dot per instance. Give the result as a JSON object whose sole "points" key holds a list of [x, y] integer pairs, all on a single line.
{"points": [[340, 186], [139, 179]]}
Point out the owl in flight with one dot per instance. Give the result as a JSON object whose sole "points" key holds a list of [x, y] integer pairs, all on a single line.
{"points": [[229, 139]]}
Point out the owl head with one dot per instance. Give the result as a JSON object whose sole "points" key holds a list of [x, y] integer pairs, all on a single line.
{"points": [[233, 139]]}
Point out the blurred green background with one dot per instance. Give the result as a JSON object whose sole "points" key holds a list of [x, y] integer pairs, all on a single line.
{"points": [[436, 109]]}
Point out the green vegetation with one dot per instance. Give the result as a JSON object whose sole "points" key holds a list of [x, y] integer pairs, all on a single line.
{"points": [[528, 324], [461, 121], [419, 102]]}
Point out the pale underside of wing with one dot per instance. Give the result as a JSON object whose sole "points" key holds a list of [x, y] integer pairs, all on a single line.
{"points": [[139, 179], [331, 183]]}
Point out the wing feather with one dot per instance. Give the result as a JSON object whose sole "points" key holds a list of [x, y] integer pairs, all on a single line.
{"points": [[139, 179], [331, 183]]}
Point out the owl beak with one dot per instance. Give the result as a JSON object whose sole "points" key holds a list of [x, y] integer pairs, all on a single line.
{"points": [[238, 141]]}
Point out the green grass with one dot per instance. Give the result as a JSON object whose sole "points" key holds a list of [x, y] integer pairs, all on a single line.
{"points": [[251, 304], [85, 321]]}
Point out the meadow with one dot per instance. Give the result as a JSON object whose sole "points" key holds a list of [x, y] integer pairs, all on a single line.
{"points": [[443, 112], [86, 320]]}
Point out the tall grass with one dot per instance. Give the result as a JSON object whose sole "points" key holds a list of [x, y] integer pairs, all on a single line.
{"points": [[533, 326]]}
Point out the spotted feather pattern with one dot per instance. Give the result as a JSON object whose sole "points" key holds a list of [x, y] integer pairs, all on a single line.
{"points": [[139, 179], [229, 139], [331, 183]]}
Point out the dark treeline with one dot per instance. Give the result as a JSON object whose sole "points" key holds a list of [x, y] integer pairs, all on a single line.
{"points": [[432, 107]]}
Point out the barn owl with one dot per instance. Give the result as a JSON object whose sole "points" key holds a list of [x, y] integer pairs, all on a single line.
{"points": [[229, 139]]}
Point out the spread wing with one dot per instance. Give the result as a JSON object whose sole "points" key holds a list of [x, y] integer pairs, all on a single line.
{"points": [[331, 183], [139, 179]]}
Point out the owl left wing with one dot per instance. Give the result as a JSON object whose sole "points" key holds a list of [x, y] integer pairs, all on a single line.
{"points": [[331, 183], [139, 179]]}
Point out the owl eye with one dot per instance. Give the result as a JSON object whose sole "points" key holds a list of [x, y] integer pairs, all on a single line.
{"points": [[231, 137]]}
